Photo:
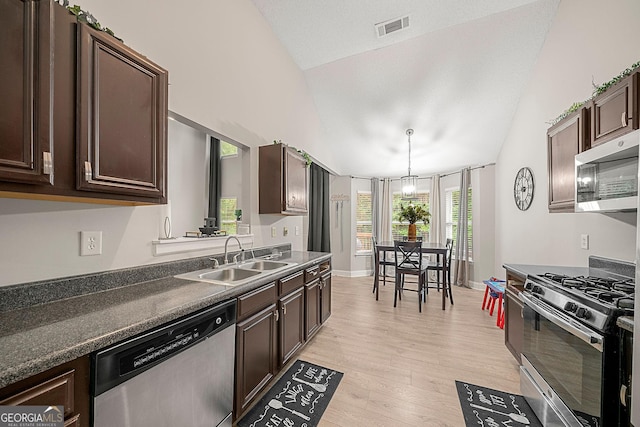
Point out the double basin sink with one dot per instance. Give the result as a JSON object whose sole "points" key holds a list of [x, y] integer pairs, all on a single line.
{"points": [[234, 275]]}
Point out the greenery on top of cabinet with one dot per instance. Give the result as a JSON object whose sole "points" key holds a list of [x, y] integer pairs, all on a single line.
{"points": [[597, 90], [86, 17]]}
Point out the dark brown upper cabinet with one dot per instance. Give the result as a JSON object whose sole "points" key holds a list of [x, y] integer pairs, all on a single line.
{"points": [[615, 112], [26, 72], [122, 118], [284, 181], [565, 139]]}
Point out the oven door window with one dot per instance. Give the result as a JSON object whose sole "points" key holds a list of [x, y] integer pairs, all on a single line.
{"points": [[572, 367]]}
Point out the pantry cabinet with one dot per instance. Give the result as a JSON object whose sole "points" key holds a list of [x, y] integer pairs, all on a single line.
{"points": [[26, 72]]}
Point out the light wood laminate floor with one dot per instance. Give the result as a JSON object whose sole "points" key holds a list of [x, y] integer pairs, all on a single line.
{"points": [[400, 366]]}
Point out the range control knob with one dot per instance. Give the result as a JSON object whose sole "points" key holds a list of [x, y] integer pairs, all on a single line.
{"points": [[571, 306], [528, 286], [583, 313], [537, 290]]}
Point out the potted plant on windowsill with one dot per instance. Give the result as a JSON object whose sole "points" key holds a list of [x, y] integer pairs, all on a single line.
{"points": [[413, 213]]}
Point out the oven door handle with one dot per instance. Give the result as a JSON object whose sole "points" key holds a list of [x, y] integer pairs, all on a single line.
{"points": [[560, 319]]}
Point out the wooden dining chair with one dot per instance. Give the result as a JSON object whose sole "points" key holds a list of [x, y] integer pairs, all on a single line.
{"points": [[437, 267], [380, 262], [408, 261]]}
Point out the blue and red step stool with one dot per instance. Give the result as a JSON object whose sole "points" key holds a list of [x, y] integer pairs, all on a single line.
{"points": [[494, 291]]}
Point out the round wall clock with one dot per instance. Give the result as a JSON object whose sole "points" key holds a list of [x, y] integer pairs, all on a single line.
{"points": [[523, 188]]}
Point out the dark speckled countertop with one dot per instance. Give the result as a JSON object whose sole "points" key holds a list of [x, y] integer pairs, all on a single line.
{"points": [[36, 338]]}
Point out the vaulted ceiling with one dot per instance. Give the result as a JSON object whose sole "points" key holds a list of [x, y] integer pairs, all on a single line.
{"points": [[454, 75]]}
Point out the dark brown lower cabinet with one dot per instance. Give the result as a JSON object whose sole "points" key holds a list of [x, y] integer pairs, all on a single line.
{"points": [[312, 303], [256, 355], [514, 322], [291, 324], [66, 385], [325, 297]]}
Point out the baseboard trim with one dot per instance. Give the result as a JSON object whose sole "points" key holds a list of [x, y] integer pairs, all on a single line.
{"points": [[349, 273]]}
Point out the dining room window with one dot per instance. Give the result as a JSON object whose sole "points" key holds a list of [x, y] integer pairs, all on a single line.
{"points": [[364, 224], [401, 230], [452, 206]]}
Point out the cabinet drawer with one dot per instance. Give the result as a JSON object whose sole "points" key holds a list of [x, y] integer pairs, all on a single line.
{"points": [[311, 273], [56, 391], [256, 300], [325, 266], [290, 283]]}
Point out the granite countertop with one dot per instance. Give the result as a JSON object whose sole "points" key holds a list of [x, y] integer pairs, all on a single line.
{"points": [[625, 322], [36, 338]]}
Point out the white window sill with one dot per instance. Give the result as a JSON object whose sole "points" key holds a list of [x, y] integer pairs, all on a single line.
{"points": [[188, 244]]}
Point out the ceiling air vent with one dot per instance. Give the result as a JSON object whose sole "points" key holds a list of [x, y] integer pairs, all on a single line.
{"points": [[384, 28]]}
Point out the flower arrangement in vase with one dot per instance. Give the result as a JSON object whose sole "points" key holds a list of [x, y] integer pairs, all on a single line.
{"points": [[412, 214]]}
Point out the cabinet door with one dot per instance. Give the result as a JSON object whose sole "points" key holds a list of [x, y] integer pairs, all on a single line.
{"points": [[615, 112], [291, 324], [26, 72], [564, 140], [325, 297], [295, 183], [256, 340], [122, 118], [312, 305], [513, 324]]}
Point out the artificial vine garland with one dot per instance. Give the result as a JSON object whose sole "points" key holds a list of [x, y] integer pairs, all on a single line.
{"points": [[304, 154], [597, 90], [86, 17]]}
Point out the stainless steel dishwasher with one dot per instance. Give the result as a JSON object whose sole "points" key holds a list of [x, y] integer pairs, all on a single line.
{"points": [[179, 374]]}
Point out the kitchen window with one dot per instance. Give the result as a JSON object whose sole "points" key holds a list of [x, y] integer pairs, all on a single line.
{"points": [[227, 215], [452, 202], [228, 150], [400, 230], [364, 224]]}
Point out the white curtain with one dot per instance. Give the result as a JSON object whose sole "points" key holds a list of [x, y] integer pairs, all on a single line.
{"points": [[461, 263], [385, 219], [435, 233], [375, 208]]}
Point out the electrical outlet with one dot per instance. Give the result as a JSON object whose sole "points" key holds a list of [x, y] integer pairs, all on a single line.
{"points": [[297, 230], [584, 241], [273, 232], [285, 231], [90, 243]]}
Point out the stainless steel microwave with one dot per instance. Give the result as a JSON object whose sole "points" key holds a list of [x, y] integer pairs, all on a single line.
{"points": [[607, 176]]}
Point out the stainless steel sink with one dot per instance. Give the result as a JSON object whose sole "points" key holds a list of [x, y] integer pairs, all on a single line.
{"points": [[263, 265], [234, 275], [229, 274]]}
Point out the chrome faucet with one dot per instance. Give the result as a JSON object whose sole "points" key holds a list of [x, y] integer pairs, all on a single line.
{"points": [[216, 264], [226, 259]]}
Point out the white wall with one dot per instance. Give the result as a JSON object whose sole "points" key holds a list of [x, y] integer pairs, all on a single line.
{"points": [[227, 72], [587, 41], [341, 226]]}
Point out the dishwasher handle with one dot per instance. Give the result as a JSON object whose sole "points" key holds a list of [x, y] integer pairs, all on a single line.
{"points": [[118, 363]]}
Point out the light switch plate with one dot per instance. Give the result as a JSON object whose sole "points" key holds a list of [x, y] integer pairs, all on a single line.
{"points": [[273, 232], [285, 231], [297, 229], [584, 241], [90, 243]]}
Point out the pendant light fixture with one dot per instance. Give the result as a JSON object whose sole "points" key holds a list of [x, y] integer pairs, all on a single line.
{"points": [[409, 182]]}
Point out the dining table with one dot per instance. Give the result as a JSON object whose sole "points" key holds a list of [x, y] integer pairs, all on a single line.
{"points": [[439, 249]]}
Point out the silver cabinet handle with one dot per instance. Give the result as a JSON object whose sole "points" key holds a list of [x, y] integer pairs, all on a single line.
{"points": [[88, 173], [623, 395], [284, 310], [623, 119], [277, 315], [47, 163]]}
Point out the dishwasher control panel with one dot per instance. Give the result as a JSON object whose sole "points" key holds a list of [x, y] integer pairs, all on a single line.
{"points": [[116, 364]]}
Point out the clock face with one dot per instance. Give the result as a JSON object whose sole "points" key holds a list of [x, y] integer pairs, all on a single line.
{"points": [[523, 189]]}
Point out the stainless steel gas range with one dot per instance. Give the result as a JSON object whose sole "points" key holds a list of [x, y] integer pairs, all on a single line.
{"points": [[571, 350]]}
